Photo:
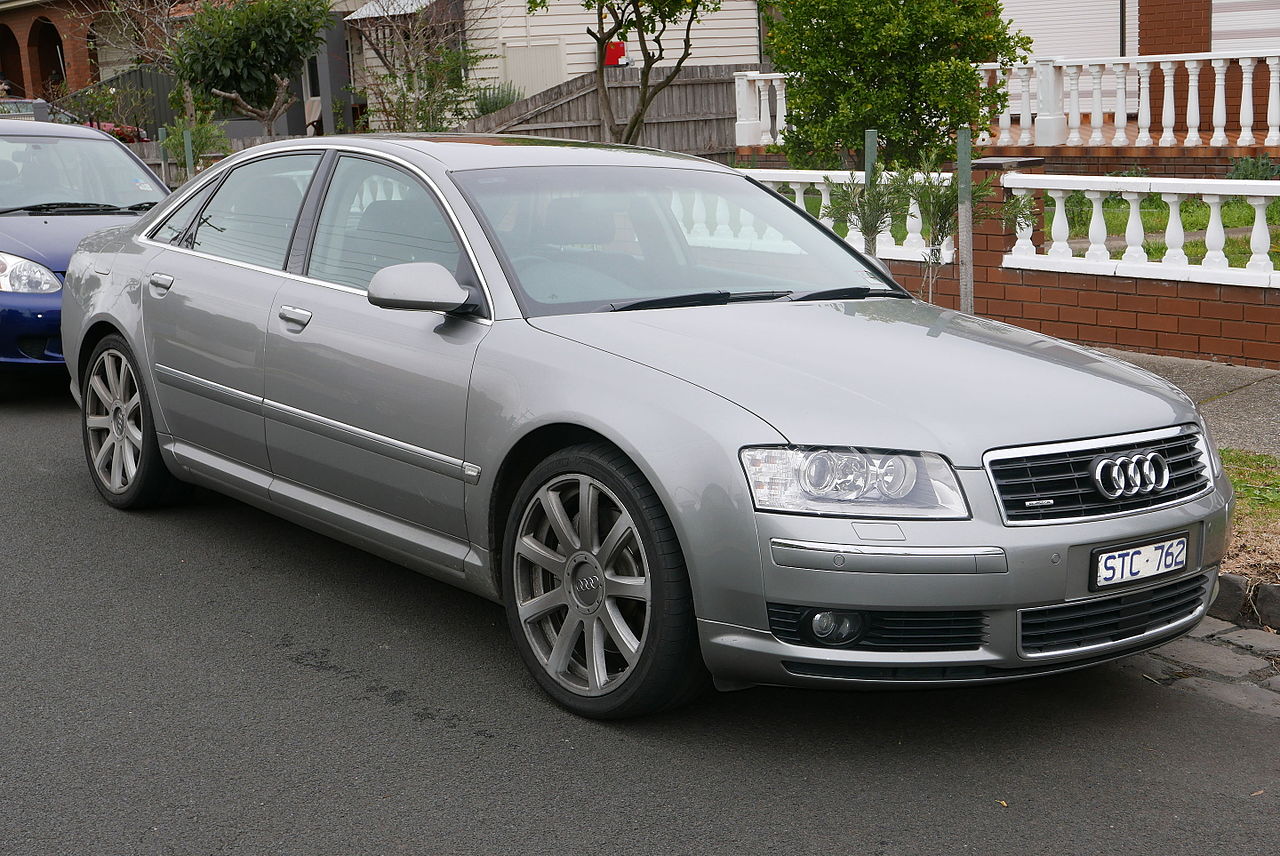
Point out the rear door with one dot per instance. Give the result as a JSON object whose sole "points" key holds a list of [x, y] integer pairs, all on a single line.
{"points": [[207, 297], [363, 403]]}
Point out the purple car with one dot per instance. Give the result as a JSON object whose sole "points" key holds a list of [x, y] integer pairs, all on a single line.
{"points": [[58, 183]]}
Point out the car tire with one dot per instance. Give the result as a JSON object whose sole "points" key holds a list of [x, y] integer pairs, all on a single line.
{"points": [[119, 433], [599, 605]]}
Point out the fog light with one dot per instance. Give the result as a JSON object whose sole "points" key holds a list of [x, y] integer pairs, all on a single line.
{"points": [[835, 628]]}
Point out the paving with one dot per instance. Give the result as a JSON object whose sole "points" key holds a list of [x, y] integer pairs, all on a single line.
{"points": [[208, 679], [1241, 403]]}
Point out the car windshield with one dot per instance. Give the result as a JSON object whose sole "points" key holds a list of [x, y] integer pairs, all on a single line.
{"points": [[40, 170], [592, 238]]}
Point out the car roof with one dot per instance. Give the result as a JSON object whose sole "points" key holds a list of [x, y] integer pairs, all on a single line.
{"points": [[31, 128], [487, 151]]}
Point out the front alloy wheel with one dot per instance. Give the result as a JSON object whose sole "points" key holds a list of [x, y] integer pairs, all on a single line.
{"points": [[582, 584], [596, 590], [113, 421], [120, 443]]}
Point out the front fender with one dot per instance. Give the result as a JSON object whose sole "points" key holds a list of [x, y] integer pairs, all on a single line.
{"points": [[683, 438]]}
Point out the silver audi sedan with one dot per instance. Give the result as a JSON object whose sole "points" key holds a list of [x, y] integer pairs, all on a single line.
{"points": [[676, 427]]}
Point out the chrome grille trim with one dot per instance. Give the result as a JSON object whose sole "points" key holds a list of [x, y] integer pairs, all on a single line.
{"points": [[1097, 445]]}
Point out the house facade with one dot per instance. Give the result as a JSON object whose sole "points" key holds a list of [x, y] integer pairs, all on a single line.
{"points": [[1108, 28]]}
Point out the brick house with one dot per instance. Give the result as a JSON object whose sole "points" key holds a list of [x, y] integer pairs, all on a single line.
{"points": [[43, 44]]}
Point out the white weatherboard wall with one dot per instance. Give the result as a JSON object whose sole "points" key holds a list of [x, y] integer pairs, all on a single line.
{"points": [[1076, 28], [1250, 27], [546, 48]]}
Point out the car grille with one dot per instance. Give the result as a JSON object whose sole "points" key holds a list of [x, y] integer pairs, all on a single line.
{"points": [[1058, 485], [891, 631], [1053, 629]]}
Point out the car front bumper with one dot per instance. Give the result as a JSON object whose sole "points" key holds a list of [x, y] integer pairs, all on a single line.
{"points": [[1007, 581], [29, 329]]}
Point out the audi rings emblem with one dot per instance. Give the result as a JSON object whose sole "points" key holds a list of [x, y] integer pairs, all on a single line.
{"points": [[1129, 475]]}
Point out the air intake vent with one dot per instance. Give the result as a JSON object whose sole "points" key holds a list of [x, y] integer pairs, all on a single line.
{"points": [[890, 631], [1054, 629]]}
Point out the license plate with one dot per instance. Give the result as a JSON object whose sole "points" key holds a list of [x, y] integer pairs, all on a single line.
{"points": [[1137, 563]]}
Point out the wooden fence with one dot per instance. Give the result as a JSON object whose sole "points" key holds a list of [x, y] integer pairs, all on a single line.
{"points": [[694, 115]]}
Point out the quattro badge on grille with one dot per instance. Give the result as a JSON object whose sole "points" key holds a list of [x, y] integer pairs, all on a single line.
{"points": [[1129, 475]]}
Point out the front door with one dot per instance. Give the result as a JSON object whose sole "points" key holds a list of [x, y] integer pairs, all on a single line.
{"points": [[207, 299], [366, 404]]}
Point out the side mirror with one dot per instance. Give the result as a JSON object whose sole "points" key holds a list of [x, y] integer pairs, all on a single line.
{"points": [[419, 285]]}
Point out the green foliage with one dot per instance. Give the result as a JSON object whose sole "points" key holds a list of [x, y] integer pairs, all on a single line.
{"points": [[904, 68], [118, 105], [207, 137], [1261, 168], [869, 206], [431, 96], [250, 49], [491, 99]]}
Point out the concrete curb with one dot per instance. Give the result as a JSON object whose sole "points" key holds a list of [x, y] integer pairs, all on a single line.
{"points": [[1246, 603]]}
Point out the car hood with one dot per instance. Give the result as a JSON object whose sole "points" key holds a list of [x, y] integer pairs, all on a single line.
{"points": [[50, 240], [888, 373]]}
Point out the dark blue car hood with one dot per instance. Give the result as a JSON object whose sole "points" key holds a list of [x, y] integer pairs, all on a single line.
{"points": [[50, 240]]}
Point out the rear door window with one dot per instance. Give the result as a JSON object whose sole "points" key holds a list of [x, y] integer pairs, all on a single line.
{"points": [[251, 216]]}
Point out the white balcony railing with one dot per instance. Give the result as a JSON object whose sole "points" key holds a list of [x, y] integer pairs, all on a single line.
{"points": [[1094, 101], [1179, 229], [1185, 230], [1078, 102], [813, 188]]}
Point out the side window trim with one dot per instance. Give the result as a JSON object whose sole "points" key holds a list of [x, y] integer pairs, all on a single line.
{"points": [[304, 228]]}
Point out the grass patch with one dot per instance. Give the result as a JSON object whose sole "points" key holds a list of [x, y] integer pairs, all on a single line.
{"points": [[1255, 549], [1257, 482]]}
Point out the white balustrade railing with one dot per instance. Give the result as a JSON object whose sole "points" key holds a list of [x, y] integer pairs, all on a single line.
{"points": [[762, 108], [1131, 254], [804, 184], [1071, 102], [1094, 101]]}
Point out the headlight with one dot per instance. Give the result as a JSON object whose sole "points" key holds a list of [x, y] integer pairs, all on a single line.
{"points": [[1210, 445], [25, 276], [853, 482]]}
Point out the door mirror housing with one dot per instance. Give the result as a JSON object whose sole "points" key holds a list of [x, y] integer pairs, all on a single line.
{"points": [[424, 286]]}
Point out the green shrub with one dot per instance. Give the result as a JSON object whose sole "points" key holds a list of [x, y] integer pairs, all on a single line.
{"points": [[491, 99], [1261, 168]]}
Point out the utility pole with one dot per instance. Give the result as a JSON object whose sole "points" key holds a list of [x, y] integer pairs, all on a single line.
{"points": [[964, 177]]}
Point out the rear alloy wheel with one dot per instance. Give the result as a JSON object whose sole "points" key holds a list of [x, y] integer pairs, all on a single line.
{"points": [[119, 437], [597, 595]]}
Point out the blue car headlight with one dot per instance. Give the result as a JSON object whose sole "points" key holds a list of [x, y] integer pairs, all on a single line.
{"points": [[24, 276], [851, 482]]}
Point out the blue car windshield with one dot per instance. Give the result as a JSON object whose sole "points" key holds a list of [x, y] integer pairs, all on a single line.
{"points": [[587, 238], [36, 170]]}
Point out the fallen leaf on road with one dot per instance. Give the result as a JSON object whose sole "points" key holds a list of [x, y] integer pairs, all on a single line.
{"points": [[1003, 803], [1257, 793]]}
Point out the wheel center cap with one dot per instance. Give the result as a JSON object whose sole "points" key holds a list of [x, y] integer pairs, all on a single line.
{"points": [[586, 582], [117, 421]]}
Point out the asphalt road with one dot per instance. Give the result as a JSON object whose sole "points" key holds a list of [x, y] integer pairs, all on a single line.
{"points": [[208, 679]]}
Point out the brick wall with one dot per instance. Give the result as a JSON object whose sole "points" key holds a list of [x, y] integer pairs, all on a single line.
{"points": [[72, 27], [1175, 26], [1227, 323]]}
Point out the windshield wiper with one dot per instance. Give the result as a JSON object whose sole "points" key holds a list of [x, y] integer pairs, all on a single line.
{"points": [[848, 292], [696, 298], [50, 207]]}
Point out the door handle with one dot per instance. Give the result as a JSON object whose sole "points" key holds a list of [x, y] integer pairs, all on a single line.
{"points": [[161, 281], [294, 315]]}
